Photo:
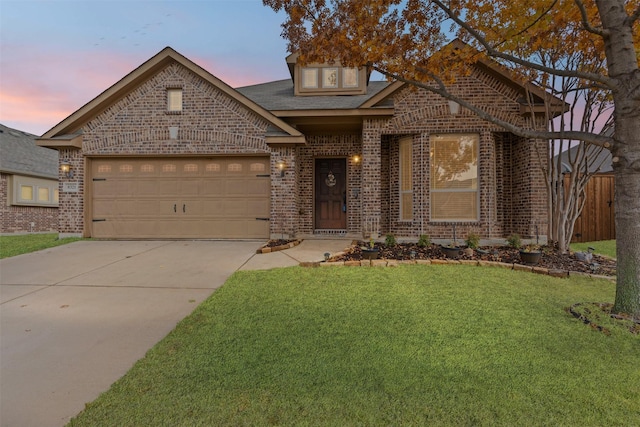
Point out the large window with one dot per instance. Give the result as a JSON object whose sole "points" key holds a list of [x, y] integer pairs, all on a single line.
{"points": [[454, 177], [406, 178]]}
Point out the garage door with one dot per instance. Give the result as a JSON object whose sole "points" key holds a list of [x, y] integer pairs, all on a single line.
{"points": [[180, 198]]}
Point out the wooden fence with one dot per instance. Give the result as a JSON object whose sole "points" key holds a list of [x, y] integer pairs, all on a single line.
{"points": [[597, 220]]}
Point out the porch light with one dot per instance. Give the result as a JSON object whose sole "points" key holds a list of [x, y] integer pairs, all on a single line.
{"points": [[454, 107], [66, 169], [281, 166], [356, 159]]}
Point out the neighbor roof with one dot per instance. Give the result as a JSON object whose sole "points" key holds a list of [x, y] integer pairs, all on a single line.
{"points": [[19, 154]]}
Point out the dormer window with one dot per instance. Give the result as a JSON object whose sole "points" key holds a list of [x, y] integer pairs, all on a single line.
{"points": [[327, 79]]}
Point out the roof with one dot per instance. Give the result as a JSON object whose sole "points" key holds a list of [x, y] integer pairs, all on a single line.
{"points": [[19, 154], [279, 96]]}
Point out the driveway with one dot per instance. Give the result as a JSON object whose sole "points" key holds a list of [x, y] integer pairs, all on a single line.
{"points": [[75, 318]]}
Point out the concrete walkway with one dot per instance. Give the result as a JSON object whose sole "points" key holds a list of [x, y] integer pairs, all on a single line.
{"points": [[75, 318]]}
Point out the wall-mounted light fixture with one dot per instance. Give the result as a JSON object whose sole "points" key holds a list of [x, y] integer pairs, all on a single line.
{"points": [[454, 107], [281, 166], [66, 169], [356, 159]]}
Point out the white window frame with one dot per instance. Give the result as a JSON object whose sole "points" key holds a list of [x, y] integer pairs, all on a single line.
{"points": [[433, 140]]}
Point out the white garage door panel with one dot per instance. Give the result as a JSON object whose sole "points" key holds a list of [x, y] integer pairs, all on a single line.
{"points": [[180, 198]]}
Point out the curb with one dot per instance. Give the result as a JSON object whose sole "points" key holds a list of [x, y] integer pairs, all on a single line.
{"points": [[269, 249]]}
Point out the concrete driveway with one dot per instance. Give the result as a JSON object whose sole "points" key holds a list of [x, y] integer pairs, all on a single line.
{"points": [[75, 318]]}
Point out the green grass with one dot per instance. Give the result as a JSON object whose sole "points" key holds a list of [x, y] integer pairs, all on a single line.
{"points": [[406, 346], [25, 243], [602, 247]]}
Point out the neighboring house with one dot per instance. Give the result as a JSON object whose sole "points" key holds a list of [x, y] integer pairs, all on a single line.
{"points": [[597, 219], [28, 184], [171, 151]]}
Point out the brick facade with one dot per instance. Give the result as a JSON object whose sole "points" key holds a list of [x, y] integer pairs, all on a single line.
{"points": [[512, 193], [24, 219]]}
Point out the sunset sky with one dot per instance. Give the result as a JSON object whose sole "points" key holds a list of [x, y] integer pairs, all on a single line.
{"points": [[57, 55]]}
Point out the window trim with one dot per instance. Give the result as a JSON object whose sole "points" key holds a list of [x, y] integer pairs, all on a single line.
{"points": [[433, 138], [36, 184]]}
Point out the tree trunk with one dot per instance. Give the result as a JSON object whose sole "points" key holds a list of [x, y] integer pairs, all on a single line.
{"points": [[623, 67]]}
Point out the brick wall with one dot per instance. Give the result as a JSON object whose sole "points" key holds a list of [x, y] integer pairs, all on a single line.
{"points": [[511, 184], [139, 124], [19, 219]]}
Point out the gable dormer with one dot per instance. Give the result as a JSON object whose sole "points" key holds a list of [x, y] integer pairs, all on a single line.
{"points": [[326, 79]]}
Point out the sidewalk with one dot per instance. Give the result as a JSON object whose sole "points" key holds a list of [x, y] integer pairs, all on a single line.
{"points": [[307, 251]]}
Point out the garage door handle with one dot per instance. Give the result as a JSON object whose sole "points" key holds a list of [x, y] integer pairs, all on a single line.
{"points": [[184, 208], [174, 208]]}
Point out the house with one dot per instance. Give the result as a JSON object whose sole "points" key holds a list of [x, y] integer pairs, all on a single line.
{"points": [[171, 151], [28, 184]]}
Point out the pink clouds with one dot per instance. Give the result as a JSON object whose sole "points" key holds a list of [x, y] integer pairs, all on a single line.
{"points": [[40, 88]]}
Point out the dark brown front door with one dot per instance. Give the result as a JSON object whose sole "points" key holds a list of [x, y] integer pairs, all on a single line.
{"points": [[331, 194]]}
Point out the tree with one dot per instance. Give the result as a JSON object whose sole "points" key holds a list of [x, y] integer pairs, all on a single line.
{"points": [[567, 175], [408, 40]]}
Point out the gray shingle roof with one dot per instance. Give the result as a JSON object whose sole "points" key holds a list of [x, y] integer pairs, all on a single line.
{"points": [[19, 154], [278, 95]]}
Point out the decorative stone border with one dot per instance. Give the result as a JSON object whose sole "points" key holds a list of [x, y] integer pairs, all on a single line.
{"points": [[269, 249], [479, 263]]}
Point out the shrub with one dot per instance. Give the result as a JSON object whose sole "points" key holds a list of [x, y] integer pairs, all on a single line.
{"points": [[424, 241], [390, 240], [473, 240], [514, 241]]}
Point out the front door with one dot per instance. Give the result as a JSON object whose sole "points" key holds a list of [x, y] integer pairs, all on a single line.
{"points": [[331, 194]]}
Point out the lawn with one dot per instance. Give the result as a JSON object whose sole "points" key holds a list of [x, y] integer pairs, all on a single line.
{"points": [[412, 345], [25, 243], [602, 247]]}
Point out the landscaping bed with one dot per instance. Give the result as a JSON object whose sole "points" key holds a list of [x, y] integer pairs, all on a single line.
{"points": [[551, 259]]}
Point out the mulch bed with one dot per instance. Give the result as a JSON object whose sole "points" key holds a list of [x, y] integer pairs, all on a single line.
{"points": [[551, 258]]}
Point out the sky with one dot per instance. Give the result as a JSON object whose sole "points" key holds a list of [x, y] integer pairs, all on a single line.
{"points": [[57, 55]]}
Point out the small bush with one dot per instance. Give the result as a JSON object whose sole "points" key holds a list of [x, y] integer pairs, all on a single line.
{"points": [[514, 241], [390, 240], [424, 241], [473, 240]]}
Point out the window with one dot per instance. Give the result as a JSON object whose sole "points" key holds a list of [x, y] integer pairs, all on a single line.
{"points": [[29, 191], [43, 194], [310, 78], [26, 193], [406, 178], [329, 77], [174, 100], [349, 77], [454, 177]]}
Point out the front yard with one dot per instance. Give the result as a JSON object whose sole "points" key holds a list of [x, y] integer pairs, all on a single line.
{"points": [[410, 345]]}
